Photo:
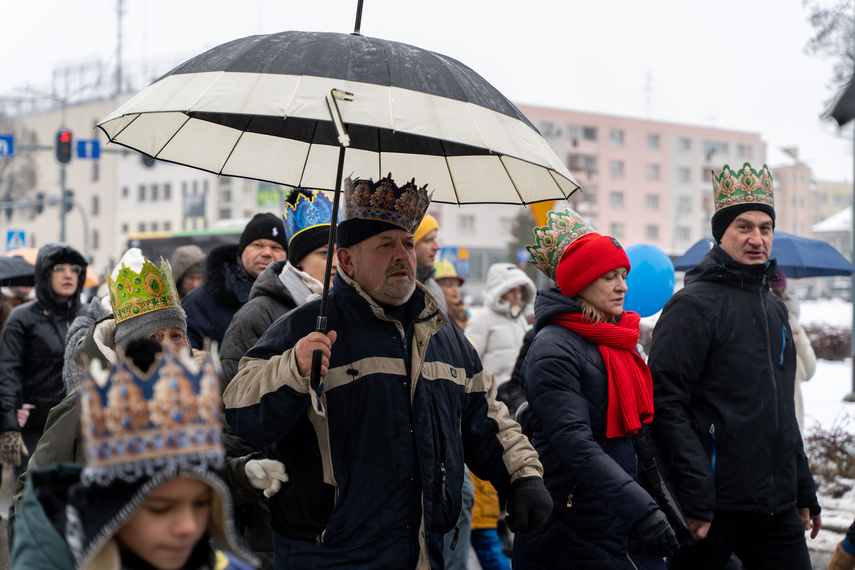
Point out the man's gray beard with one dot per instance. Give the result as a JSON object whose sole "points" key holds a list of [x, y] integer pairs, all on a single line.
{"points": [[393, 300]]}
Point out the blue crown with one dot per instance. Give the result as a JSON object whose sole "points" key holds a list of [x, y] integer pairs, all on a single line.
{"points": [[307, 212], [134, 424]]}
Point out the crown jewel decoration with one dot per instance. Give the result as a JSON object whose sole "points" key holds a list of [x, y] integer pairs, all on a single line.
{"points": [[384, 201], [307, 212], [133, 294], [745, 186], [551, 240], [134, 424]]}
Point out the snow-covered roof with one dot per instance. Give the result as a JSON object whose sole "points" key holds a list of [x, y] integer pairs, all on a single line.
{"points": [[839, 222]]}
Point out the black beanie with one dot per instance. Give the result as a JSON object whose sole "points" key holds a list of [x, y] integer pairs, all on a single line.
{"points": [[263, 226], [723, 217], [352, 231], [306, 242]]}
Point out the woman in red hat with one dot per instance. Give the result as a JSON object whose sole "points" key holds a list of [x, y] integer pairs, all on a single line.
{"points": [[589, 393]]}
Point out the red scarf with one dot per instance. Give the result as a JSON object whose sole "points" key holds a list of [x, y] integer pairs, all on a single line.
{"points": [[630, 383]]}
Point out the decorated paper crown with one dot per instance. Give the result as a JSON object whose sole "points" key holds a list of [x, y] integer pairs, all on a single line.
{"points": [[551, 240], [306, 212], [385, 202], [746, 186], [134, 293], [134, 424]]}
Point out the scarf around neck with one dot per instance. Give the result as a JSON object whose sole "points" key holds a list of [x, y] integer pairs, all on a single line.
{"points": [[630, 383]]}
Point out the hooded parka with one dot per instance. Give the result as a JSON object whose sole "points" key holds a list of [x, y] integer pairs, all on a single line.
{"points": [[496, 331], [592, 479], [723, 363], [32, 346], [211, 306]]}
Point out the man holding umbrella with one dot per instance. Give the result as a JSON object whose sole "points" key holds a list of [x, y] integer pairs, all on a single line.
{"points": [[723, 363], [375, 453]]}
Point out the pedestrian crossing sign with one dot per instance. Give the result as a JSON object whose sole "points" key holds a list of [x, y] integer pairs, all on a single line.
{"points": [[15, 239]]}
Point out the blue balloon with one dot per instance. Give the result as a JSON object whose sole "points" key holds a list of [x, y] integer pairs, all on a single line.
{"points": [[650, 281]]}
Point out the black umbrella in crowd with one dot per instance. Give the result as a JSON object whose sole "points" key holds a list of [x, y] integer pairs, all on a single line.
{"points": [[15, 271], [304, 109]]}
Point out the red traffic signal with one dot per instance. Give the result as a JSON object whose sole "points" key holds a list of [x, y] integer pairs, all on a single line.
{"points": [[63, 145]]}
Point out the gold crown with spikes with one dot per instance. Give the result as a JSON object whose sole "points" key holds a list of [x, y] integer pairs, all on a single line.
{"points": [[133, 294], [746, 186], [134, 423], [386, 202], [551, 240]]}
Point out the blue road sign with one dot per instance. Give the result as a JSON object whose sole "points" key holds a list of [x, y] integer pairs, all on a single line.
{"points": [[89, 149], [15, 239], [7, 145]]}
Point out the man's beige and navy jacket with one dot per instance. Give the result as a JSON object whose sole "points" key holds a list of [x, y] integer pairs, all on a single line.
{"points": [[376, 455]]}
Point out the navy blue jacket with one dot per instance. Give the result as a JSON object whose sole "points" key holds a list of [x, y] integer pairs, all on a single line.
{"points": [[724, 362], [211, 306], [384, 459], [592, 478]]}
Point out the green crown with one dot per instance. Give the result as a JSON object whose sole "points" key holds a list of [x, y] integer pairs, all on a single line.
{"points": [[550, 241], [745, 186], [133, 294]]}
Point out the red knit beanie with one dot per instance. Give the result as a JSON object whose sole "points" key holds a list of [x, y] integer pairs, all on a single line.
{"points": [[586, 260]]}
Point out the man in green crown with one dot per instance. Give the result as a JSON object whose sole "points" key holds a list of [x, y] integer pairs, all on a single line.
{"points": [[723, 363]]}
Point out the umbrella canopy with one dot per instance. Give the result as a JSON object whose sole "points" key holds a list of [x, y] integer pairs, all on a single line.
{"points": [[797, 256], [15, 271], [29, 254], [257, 108]]}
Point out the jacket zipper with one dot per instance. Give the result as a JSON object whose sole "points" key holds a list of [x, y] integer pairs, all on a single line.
{"points": [[712, 435], [783, 344]]}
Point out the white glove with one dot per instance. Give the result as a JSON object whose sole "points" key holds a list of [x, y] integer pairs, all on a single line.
{"points": [[266, 475]]}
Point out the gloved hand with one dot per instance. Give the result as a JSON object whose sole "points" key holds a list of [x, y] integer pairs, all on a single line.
{"points": [[529, 505], [657, 535], [12, 448], [266, 475]]}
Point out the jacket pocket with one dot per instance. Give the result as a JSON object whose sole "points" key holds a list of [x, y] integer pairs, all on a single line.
{"points": [[446, 486]]}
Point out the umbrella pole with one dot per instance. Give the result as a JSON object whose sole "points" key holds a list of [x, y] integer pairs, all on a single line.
{"points": [[344, 140]]}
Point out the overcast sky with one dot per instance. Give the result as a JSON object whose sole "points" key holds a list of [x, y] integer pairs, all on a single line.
{"points": [[736, 64]]}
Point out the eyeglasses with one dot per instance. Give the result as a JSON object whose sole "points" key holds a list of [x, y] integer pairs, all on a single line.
{"points": [[63, 267]]}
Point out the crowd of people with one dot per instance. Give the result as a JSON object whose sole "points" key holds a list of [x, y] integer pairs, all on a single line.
{"points": [[198, 414]]}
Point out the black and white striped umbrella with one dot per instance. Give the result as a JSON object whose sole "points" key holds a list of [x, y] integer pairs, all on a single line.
{"points": [[257, 108]]}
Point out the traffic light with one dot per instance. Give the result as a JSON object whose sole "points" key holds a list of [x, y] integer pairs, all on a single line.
{"points": [[68, 200], [63, 145], [40, 203]]}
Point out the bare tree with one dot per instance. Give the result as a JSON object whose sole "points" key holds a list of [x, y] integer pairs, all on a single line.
{"points": [[833, 22], [18, 178]]}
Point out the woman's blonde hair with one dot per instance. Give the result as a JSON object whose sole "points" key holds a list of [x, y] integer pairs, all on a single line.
{"points": [[593, 314]]}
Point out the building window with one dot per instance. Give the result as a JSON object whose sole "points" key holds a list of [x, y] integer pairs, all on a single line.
{"points": [[801, 202], [745, 151], [154, 191], [616, 137], [96, 171], [653, 142], [548, 130], [616, 168], [823, 200], [685, 144], [684, 204], [125, 191], [573, 133], [684, 174], [507, 225], [141, 227], [167, 226], [141, 190], [715, 151], [226, 196], [167, 191], [589, 133], [653, 172], [466, 224], [616, 200], [96, 205], [184, 188], [95, 239], [684, 233], [706, 174], [652, 232], [617, 230], [578, 162], [652, 202], [124, 228], [225, 213]]}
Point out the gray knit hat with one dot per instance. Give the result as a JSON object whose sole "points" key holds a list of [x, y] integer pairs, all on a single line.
{"points": [[139, 327]]}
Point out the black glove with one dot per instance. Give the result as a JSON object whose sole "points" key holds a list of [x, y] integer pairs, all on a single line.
{"points": [[142, 352], [529, 505], [657, 535]]}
